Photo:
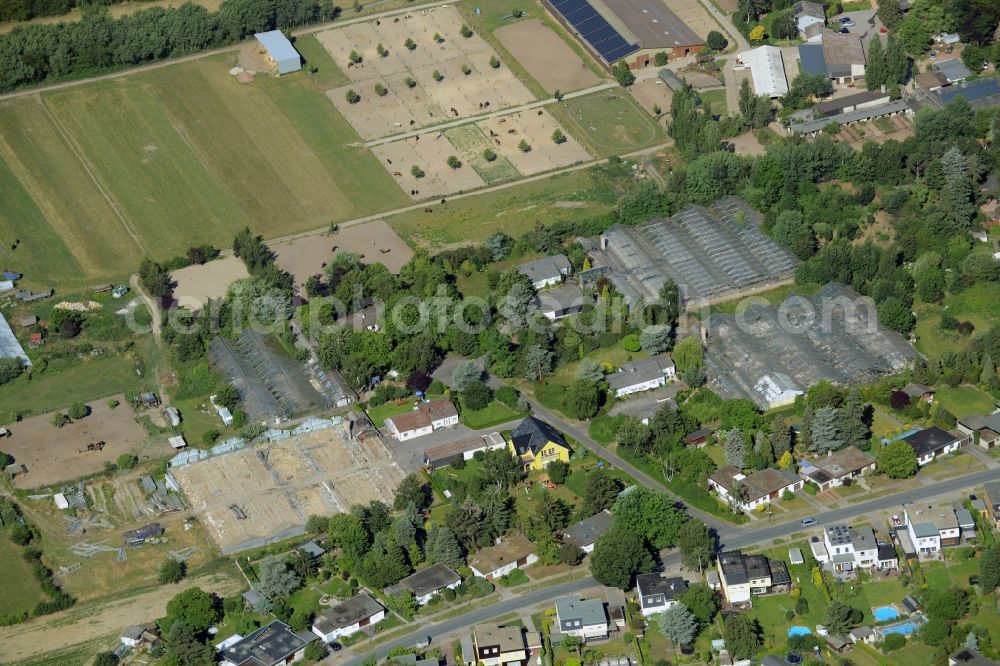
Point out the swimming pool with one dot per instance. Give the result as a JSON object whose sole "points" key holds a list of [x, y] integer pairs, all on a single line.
{"points": [[906, 629], [799, 631], [885, 613]]}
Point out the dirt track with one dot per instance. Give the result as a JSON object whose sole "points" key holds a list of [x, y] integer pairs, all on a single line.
{"points": [[548, 59], [85, 623]]}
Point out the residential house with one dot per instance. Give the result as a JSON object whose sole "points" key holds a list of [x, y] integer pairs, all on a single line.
{"points": [[464, 449], [512, 553], [984, 430], [427, 583], [546, 271], [862, 635], [642, 375], [496, 645], [992, 501], [584, 618], [852, 547], [762, 487], [656, 593], [273, 644], [424, 419], [808, 13], [836, 469], [349, 617], [742, 576], [954, 70], [932, 442], [584, 534], [969, 657], [536, 444], [930, 528], [561, 302]]}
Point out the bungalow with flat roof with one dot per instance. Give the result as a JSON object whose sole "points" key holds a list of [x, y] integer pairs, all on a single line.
{"points": [[427, 583], [274, 644], [656, 593], [422, 420], [642, 375], [762, 487], [464, 449], [349, 617], [584, 618], [932, 442], [546, 271], [584, 534], [561, 302], [512, 553]]}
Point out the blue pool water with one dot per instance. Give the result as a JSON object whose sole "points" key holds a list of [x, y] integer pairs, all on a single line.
{"points": [[799, 631], [905, 629], [885, 613]]}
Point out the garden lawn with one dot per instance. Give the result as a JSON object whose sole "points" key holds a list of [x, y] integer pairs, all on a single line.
{"points": [[964, 400], [21, 590], [494, 414], [305, 600]]}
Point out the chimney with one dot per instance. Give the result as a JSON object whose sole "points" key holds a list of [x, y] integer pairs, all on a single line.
{"points": [[604, 242]]}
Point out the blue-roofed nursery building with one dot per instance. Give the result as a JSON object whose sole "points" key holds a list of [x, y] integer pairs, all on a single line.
{"points": [[980, 94], [279, 51]]}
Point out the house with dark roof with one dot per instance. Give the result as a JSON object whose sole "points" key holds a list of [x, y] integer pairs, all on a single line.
{"points": [[698, 438], [427, 583], [644, 374], [536, 443], [861, 100], [850, 548], [969, 657], [656, 593], [512, 553], [919, 392], [561, 302], [984, 430], [584, 534], [844, 56], [546, 271], [742, 576], [424, 419], [272, 645], [932, 442], [349, 617], [762, 487]]}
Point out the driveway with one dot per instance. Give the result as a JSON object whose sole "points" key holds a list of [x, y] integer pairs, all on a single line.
{"points": [[866, 24], [409, 455]]}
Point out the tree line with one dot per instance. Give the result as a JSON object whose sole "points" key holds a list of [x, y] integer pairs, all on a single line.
{"points": [[47, 52]]}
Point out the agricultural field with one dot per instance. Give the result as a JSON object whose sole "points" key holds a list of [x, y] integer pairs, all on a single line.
{"points": [[95, 176]]}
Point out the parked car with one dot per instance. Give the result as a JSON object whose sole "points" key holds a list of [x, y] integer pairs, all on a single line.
{"points": [[422, 643], [806, 522], [847, 22], [844, 31], [336, 647]]}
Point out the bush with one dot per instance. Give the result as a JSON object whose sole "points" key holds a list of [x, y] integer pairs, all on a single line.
{"points": [[558, 136], [524, 146], [465, 31], [660, 58], [437, 75], [78, 410], [172, 571], [809, 489], [715, 41], [417, 171], [801, 606], [466, 70], [315, 651], [353, 97], [381, 90], [631, 343], [126, 461], [448, 594], [893, 642], [112, 404], [453, 162], [60, 419], [477, 396], [10, 369], [506, 395], [208, 438], [489, 155], [515, 577], [410, 82], [20, 534], [410, 44]]}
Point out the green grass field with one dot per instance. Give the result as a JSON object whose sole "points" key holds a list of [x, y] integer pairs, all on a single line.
{"points": [[964, 400], [512, 210], [609, 122], [493, 414], [471, 143], [327, 74], [95, 176], [21, 590], [979, 304]]}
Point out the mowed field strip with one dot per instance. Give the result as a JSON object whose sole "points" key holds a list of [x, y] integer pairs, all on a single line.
{"points": [[94, 176]]}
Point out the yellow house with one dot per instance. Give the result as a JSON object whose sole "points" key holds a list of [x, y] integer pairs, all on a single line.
{"points": [[536, 444]]}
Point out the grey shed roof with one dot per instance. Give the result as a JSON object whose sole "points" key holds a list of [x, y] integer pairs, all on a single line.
{"points": [[281, 50], [133, 632], [653, 23], [561, 298], [352, 611], [271, 644], [953, 69], [590, 611], [929, 440], [795, 556], [431, 579], [588, 530], [639, 372], [532, 434], [546, 268], [312, 549]]}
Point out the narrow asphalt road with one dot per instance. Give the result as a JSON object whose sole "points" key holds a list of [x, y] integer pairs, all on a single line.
{"points": [[730, 537]]}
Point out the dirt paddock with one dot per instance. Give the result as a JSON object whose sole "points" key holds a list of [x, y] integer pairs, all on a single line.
{"points": [[199, 283], [651, 93], [548, 59], [402, 108], [53, 455], [503, 135], [376, 242], [694, 15], [278, 485]]}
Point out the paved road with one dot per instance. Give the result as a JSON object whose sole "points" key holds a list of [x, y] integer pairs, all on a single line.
{"points": [[729, 537], [506, 111]]}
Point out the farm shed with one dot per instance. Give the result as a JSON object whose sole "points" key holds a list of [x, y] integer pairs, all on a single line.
{"points": [[280, 51]]}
